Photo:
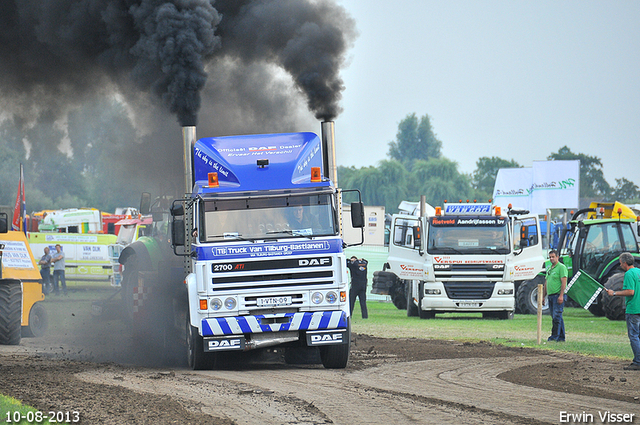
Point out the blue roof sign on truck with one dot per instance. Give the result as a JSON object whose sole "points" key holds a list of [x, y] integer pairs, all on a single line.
{"points": [[235, 158], [470, 209]]}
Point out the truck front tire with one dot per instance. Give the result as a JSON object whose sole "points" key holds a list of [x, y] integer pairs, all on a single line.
{"points": [[197, 358], [336, 356], [412, 308]]}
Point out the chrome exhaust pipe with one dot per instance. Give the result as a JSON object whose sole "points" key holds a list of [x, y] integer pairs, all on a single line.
{"points": [[189, 141], [329, 167]]}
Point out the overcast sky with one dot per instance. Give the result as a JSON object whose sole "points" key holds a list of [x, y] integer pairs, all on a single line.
{"points": [[513, 79]]}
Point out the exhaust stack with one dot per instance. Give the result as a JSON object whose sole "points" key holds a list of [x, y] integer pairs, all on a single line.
{"points": [[329, 168], [189, 141]]}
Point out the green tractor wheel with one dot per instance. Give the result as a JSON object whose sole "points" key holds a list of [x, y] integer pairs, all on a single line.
{"points": [[614, 307]]}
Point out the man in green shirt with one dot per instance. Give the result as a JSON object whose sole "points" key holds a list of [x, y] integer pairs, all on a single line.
{"points": [[556, 282], [631, 290]]}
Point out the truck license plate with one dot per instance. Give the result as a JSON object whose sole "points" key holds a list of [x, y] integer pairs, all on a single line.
{"points": [[274, 301], [469, 305]]}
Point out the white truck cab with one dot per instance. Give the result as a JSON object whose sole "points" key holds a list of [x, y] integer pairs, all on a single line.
{"points": [[463, 258]]}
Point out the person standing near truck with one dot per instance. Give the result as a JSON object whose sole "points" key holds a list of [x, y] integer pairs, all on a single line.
{"points": [[45, 271], [556, 282], [358, 269], [631, 290], [58, 271]]}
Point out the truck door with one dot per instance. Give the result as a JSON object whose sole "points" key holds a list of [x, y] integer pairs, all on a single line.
{"points": [[527, 257], [405, 248]]}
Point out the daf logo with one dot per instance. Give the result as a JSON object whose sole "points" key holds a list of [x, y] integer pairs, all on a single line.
{"points": [[314, 262], [498, 266], [224, 343], [441, 266], [326, 338]]}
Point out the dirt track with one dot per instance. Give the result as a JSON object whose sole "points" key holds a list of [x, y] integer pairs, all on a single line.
{"points": [[101, 373]]}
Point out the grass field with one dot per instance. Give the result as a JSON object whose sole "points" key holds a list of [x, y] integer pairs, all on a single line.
{"points": [[586, 334]]}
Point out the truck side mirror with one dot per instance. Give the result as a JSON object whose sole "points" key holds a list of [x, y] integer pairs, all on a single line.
{"points": [[357, 215], [4, 223], [145, 203], [177, 233], [417, 236]]}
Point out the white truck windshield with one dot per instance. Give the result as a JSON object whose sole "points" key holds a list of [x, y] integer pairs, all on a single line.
{"points": [[268, 218], [468, 236]]}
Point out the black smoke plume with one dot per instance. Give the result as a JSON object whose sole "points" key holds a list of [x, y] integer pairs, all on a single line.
{"points": [[93, 85], [56, 54]]}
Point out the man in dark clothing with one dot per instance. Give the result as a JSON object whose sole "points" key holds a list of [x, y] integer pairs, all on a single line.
{"points": [[358, 269]]}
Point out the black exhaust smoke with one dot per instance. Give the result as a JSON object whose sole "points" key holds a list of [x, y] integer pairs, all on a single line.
{"points": [[61, 52], [76, 48]]}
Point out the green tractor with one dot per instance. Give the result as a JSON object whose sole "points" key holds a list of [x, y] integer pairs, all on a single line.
{"points": [[593, 243]]}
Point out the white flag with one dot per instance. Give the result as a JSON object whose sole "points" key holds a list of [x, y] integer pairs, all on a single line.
{"points": [[556, 184], [548, 184], [513, 187]]}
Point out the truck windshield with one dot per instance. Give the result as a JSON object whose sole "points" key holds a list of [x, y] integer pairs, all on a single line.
{"points": [[268, 218], [475, 235]]}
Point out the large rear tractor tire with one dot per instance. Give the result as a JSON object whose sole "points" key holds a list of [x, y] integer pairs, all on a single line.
{"points": [[10, 311], [399, 298], [38, 322], [382, 282], [614, 307], [336, 356], [596, 308], [527, 297]]}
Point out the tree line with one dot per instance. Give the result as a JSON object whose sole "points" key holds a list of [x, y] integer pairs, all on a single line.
{"points": [[107, 164], [415, 166]]}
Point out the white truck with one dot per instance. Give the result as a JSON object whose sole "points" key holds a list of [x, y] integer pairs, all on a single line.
{"points": [[463, 258]]}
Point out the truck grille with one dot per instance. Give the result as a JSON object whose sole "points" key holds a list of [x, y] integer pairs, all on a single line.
{"points": [[272, 280], [272, 274], [444, 272], [469, 290]]}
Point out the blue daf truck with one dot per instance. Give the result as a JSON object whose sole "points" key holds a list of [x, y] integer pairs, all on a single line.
{"points": [[252, 257]]}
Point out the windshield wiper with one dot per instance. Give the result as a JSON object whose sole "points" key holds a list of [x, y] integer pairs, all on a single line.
{"points": [[236, 236], [447, 249], [291, 232]]}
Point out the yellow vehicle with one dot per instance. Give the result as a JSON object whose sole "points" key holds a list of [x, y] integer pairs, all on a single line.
{"points": [[21, 313], [86, 254]]}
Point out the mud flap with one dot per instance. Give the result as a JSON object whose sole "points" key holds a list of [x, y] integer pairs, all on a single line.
{"points": [[225, 344], [327, 337]]}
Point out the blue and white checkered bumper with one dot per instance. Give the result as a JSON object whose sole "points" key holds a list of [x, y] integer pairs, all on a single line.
{"points": [[238, 325]]}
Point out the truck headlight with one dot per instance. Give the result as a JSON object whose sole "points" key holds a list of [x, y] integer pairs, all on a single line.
{"points": [[331, 297], [505, 291], [317, 298], [230, 303], [432, 291], [216, 304]]}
